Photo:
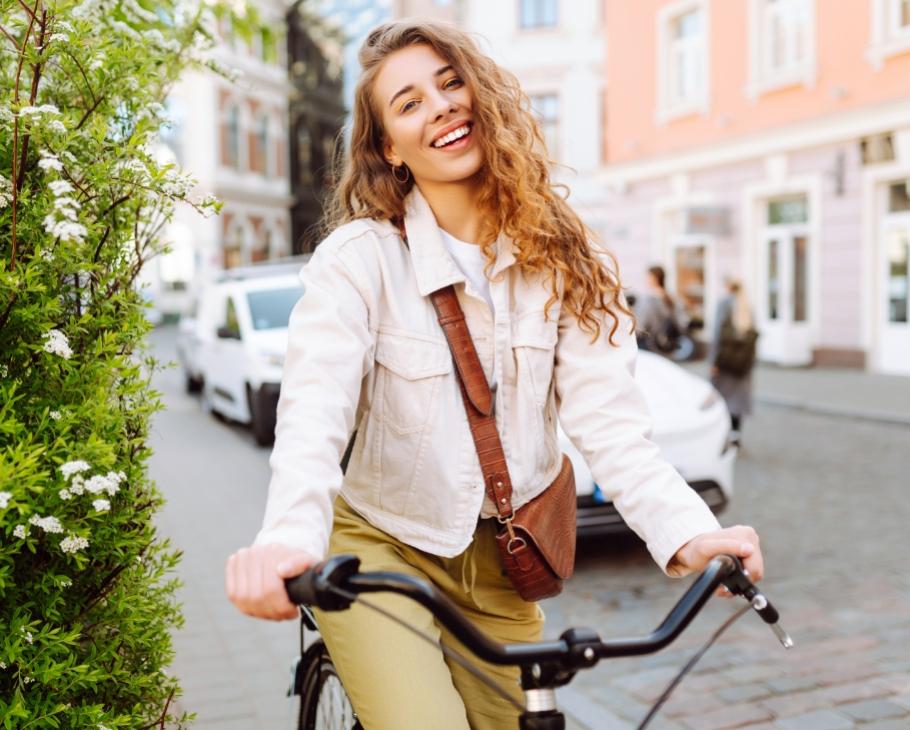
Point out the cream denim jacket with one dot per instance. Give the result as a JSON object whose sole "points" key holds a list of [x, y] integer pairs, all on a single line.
{"points": [[365, 349]]}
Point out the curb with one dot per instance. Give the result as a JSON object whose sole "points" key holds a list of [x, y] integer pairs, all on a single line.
{"points": [[893, 419]]}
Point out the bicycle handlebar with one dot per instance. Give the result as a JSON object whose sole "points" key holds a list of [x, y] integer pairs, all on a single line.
{"points": [[335, 584]]}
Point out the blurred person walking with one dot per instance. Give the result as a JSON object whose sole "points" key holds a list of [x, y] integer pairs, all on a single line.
{"points": [[732, 354], [660, 320]]}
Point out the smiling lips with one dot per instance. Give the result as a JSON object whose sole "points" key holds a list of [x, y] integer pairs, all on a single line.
{"points": [[453, 136]]}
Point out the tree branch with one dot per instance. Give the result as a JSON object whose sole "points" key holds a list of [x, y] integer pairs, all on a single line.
{"points": [[33, 95], [89, 112]]}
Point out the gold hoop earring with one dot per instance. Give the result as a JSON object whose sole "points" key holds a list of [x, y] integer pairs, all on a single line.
{"points": [[407, 173]]}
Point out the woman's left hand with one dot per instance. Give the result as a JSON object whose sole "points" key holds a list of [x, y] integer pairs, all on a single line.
{"points": [[741, 541]]}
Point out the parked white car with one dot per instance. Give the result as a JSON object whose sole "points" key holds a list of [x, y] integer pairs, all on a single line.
{"points": [[692, 429], [233, 349]]}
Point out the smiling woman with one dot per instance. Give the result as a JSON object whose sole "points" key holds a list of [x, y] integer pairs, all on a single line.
{"points": [[445, 218]]}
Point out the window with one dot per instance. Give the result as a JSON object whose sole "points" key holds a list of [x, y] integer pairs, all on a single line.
{"points": [[785, 27], [900, 17], [691, 280], [899, 197], [537, 13], [231, 323], [788, 210], [898, 276], [233, 247], [683, 62], [259, 145], [230, 149], [890, 30], [271, 309], [546, 108]]}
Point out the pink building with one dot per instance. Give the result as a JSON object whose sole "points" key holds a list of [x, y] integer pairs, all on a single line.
{"points": [[768, 140]]}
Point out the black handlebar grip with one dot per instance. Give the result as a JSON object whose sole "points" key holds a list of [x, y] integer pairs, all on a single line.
{"points": [[302, 588]]}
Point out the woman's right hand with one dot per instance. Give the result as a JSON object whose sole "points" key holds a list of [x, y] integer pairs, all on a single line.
{"points": [[254, 580]]}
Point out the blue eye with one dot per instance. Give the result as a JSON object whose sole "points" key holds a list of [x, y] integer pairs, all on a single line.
{"points": [[408, 106]]}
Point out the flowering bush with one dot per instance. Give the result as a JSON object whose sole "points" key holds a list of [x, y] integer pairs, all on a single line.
{"points": [[86, 588]]}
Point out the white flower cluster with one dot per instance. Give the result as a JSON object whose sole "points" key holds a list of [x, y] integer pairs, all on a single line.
{"points": [[154, 37], [73, 543], [109, 483], [37, 111], [55, 342], [6, 192], [177, 184], [5, 497], [101, 505], [21, 531], [48, 524], [63, 222], [49, 161], [55, 415], [73, 467]]}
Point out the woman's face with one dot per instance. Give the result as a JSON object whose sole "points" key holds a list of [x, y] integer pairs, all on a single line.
{"points": [[426, 111]]}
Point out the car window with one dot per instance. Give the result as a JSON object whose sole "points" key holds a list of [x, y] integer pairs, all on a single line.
{"points": [[230, 318], [271, 309]]}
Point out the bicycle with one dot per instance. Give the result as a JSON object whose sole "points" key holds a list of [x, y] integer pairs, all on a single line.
{"points": [[335, 584]]}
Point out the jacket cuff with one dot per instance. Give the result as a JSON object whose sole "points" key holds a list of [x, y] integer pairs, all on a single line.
{"points": [[296, 539], [676, 533]]}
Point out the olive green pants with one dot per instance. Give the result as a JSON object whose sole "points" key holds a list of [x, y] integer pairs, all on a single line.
{"points": [[398, 681]]}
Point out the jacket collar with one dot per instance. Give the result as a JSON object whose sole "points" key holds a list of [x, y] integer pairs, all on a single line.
{"points": [[433, 265]]}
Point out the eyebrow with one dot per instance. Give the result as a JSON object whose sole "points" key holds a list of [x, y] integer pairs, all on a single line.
{"points": [[410, 87]]}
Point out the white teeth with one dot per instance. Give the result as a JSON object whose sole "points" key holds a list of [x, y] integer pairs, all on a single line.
{"points": [[452, 136]]}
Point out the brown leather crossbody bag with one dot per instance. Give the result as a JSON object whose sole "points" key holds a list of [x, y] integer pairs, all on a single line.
{"points": [[537, 541]]}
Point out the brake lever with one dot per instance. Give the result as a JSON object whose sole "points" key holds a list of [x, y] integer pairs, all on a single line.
{"points": [[738, 584]]}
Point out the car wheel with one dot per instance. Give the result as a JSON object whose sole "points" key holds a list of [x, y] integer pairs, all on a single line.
{"points": [[261, 420], [193, 384]]}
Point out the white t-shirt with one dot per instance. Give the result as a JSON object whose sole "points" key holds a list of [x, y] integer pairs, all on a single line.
{"points": [[471, 261]]}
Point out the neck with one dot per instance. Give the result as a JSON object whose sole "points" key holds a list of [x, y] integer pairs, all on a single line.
{"points": [[455, 207]]}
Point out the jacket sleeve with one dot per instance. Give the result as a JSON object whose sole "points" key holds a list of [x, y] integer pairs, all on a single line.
{"points": [[720, 316], [329, 352], [603, 413]]}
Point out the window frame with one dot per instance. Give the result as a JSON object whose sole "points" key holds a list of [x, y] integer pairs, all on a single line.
{"points": [[548, 123], [762, 77], [668, 107], [889, 38]]}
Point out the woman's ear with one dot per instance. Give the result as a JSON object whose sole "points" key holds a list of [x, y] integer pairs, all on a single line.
{"points": [[388, 151]]}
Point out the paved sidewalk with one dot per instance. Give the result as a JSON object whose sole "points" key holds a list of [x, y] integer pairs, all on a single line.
{"points": [[832, 391]]}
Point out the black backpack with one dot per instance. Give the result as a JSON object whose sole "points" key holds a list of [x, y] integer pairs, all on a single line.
{"points": [[735, 350]]}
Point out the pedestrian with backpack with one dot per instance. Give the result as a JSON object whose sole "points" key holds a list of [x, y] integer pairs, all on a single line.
{"points": [[660, 324], [732, 354]]}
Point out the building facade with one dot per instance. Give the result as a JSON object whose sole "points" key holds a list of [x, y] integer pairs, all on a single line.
{"points": [[233, 137], [768, 140]]}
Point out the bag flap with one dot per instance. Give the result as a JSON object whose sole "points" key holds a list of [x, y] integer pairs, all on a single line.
{"points": [[549, 521]]}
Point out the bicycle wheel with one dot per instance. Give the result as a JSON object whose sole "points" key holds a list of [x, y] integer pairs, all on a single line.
{"points": [[324, 705]]}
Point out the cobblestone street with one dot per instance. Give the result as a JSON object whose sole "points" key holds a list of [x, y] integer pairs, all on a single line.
{"points": [[827, 494]]}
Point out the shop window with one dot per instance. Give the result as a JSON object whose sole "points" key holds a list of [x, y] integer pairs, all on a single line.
{"points": [[788, 210], [898, 276], [899, 197], [773, 280], [691, 280]]}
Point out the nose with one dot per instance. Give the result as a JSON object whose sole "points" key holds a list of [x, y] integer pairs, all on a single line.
{"points": [[441, 104]]}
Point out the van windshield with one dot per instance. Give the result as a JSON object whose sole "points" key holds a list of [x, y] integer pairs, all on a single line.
{"points": [[271, 309]]}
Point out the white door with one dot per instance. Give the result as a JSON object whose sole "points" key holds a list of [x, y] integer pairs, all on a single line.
{"points": [[784, 297], [894, 296], [224, 380]]}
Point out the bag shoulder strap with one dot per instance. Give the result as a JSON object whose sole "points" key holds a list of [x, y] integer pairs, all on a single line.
{"points": [[478, 400]]}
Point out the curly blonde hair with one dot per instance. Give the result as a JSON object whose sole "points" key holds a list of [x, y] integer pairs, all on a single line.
{"points": [[517, 197]]}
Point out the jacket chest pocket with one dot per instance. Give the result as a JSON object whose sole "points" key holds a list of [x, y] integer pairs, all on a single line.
{"points": [[534, 347], [411, 372]]}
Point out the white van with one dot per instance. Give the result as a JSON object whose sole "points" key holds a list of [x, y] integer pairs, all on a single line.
{"points": [[233, 349]]}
